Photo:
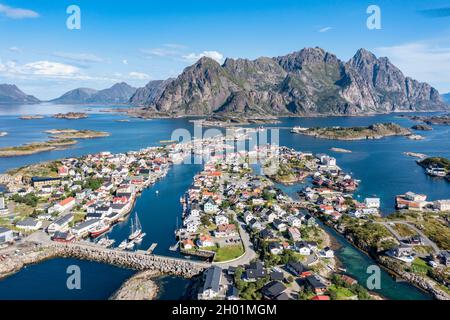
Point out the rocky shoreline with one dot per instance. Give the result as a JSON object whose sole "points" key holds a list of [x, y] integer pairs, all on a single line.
{"points": [[139, 287], [36, 147], [71, 115], [389, 266], [373, 132], [76, 134]]}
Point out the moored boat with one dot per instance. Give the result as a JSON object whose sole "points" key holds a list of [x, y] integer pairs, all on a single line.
{"points": [[106, 242], [136, 228], [139, 238], [130, 245], [100, 229], [123, 245]]}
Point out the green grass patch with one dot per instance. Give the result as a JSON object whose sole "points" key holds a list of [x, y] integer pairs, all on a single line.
{"points": [[420, 266], [404, 230], [340, 293], [228, 253]]}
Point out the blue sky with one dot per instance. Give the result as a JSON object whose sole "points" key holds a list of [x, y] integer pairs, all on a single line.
{"points": [[137, 41]]}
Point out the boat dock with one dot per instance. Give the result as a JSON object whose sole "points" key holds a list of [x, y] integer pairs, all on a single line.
{"points": [[175, 246], [152, 247]]}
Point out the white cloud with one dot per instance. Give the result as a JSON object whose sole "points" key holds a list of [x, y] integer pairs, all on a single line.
{"points": [[40, 69], [138, 75], [125, 61], [192, 57], [325, 29], [15, 49], [427, 61], [49, 68], [78, 57], [17, 13], [173, 50], [175, 46], [161, 52]]}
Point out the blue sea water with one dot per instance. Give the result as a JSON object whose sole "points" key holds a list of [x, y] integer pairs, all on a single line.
{"points": [[380, 165]]}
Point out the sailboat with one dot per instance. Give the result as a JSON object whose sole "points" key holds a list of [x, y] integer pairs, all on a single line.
{"points": [[139, 238], [136, 228]]}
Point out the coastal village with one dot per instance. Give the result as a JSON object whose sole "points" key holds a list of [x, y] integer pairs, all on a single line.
{"points": [[80, 198], [261, 243]]}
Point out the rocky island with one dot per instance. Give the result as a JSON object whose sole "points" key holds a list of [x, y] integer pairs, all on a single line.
{"points": [[439, 120], [436, 167], [422, 127], [31, 117], [415, 155], [59, 138], [139, 287], [71, 115], [76, 134], [374, 131], [35, 147]]}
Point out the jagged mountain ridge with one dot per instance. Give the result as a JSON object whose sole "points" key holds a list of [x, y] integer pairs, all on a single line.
{"points": [[11, 94], [308, 82], [146, 95]]}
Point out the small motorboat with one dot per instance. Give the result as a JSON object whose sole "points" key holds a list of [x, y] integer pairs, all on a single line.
{"points": [[130, 245], [123, 245]]}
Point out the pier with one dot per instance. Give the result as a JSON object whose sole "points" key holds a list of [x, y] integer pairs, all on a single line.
{"points": [[152, 248], [139, 260], [136, 260]]}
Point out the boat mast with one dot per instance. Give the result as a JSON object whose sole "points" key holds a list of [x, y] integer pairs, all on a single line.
{"points": [[138, 223]]}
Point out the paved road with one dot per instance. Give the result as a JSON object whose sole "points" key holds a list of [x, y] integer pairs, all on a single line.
{"points": [[249, 254], [425, 239]]}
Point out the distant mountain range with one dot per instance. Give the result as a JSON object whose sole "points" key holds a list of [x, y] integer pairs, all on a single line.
{"points": [[308, 82], [119, 93], [10, 94]]}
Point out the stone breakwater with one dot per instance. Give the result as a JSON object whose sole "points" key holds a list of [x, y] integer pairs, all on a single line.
{"points": [[417, 280], [30, 254], [137, 260]]}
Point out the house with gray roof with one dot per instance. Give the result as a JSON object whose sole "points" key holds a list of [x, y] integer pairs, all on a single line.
{"points": [[211, 288], [6, 235]]}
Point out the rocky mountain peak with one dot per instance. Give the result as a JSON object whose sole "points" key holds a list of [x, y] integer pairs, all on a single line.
{"points": [[308, 82], [11, 94]]}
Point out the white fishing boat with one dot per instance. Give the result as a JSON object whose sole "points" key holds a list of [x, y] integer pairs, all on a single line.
{"points": [[130, 245], [106, 242], [123, 245], [136, 228], [139, 238]]}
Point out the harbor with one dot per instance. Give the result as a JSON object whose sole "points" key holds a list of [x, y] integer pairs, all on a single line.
{"points": [[177, 182]]}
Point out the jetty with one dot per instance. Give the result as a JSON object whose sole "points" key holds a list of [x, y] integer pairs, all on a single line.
{"points": [[152, 248], [136, 260]]}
